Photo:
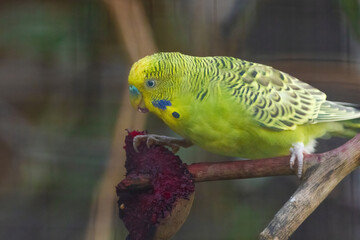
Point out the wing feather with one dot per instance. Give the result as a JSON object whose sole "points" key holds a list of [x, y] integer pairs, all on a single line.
{"points": [[275, 99]]}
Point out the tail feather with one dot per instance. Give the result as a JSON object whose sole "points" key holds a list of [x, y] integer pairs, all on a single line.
{"points": [[354, 105], [350, 129], [337, 111]]}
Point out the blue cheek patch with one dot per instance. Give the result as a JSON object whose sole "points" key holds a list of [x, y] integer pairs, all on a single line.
{"points": [[161, 104]]}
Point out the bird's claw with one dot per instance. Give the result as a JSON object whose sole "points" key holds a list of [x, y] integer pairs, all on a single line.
{"points": [[153, 139], [297, 152], [140, 138]]}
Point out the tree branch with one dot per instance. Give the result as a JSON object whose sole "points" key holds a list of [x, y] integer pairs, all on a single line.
{"points": [[322, 173], [213, 171]]}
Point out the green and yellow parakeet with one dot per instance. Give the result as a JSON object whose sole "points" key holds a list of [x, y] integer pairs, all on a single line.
{"points": [[234, 107]]}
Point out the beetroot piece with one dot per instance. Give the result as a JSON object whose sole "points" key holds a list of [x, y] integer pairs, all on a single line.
{"points": [[143, 209]]}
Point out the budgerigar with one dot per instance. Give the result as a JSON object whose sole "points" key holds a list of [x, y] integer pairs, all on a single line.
{"points": [[237, 108]]}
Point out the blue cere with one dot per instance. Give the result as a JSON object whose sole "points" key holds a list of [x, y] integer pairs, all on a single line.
{"points": [[162, 104], [176, 114], [133, 90]]}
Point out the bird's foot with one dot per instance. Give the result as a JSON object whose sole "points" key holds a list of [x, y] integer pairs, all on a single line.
{"points": [[297, 152], [151, 139]]}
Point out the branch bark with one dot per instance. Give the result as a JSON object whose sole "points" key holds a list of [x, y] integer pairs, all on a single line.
{"points": [[266, 167], [214, 171], [322, 173]]}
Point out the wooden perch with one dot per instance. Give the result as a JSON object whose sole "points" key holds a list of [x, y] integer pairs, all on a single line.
{"points": [[321, 173], [214, 171]]}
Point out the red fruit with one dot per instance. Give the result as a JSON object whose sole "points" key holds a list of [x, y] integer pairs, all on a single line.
{"points": [[146, 211]]}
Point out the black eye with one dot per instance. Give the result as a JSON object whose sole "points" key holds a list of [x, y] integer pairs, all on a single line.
{"points": [[150, 83]]}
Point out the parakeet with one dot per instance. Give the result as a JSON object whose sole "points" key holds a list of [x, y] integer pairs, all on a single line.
{"points": [[237, 108]]}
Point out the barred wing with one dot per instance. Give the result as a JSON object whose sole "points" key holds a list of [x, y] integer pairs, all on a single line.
{"points": [[275, 99]]}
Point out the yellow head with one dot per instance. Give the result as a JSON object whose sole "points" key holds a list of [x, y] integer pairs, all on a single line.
{"points": [[153, 80]]}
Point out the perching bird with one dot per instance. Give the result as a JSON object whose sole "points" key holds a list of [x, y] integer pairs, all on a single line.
{"points": [[237, 108]]}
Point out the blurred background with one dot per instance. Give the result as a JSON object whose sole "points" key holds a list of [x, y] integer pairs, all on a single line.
{"points": [[64, 108]]}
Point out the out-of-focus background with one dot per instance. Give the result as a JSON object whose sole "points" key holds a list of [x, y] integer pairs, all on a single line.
{"points": [[64, 108]]}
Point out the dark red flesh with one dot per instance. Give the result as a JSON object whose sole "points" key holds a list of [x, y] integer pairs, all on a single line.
{"points": [[142, 209]]}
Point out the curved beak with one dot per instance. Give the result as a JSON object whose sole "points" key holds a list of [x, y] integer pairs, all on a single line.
{"points": [[137, 100]]}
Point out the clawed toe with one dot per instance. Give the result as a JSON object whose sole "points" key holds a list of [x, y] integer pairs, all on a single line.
{"points": [[152, 139], [137, 141], [292, 159], [297, 152]]}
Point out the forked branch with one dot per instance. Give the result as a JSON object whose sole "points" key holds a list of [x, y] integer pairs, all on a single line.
{"points": [[322, 173]]}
